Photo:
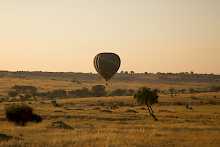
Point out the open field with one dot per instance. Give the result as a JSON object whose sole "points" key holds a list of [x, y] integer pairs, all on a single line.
{"points": [[115, 121], [47, 84]]}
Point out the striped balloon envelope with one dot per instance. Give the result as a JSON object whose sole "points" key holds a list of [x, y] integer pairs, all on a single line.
{"points": [[107, 64]]}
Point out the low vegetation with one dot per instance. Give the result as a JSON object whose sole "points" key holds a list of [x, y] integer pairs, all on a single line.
{"points": [[20, 114], [28, 92]]}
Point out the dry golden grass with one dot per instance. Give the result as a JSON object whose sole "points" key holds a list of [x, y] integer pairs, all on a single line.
{"points": [[49, 84], [107, 122], [177, 126]]}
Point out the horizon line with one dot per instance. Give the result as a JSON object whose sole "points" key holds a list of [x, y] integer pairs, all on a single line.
{"points": [[189, 72]]}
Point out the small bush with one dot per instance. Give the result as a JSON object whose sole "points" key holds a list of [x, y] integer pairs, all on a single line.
{"points": [[214, 88], [172, 91], [12, 93], [98, 90], [130, 92], [57, 93], [54, 103], [182, 91], [20, 114], [25, 89], [5, 137], [118, 92], [122, 92], [84, 92], [195, 98], [36, 118], [192, 90]]}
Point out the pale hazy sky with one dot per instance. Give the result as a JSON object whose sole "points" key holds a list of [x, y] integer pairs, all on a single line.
{"points": [[149, 35]]}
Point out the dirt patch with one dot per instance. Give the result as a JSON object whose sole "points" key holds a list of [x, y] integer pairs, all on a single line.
{"points": [[73, 108], [168, 111], [131, 111], [100, 117], [107, 111], [190, 129], [85, 126], [60, 125]]}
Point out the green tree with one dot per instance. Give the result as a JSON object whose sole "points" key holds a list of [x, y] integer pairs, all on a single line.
{"points": [[148, 97]]}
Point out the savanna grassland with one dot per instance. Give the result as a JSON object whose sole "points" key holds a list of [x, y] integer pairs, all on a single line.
{"points": [[114, 121]]}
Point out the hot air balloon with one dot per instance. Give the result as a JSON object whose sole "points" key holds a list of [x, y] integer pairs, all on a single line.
{"points": [[107, 64]]}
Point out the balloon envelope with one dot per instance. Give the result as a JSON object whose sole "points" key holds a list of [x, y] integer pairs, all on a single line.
{"points": [[107, 64]]}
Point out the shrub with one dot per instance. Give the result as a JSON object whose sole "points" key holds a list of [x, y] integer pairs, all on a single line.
{"points": [[182, 91], [172, 91], [5, 137], [20, 114], [130, 92], [12, 93], [36, 118], [122, 92], [25, 89], [27, 96], [192, 90], [195, 98], [84, 92], [119, 92], [214, 88], [54, 103], [98, 90], [57, 93]]}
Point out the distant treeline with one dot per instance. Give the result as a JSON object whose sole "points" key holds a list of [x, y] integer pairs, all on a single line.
{"points": [[122, 76], [26, 92], [30, 92]]}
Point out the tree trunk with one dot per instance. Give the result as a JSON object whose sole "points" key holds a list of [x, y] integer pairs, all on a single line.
{"points": [[152, 113]]}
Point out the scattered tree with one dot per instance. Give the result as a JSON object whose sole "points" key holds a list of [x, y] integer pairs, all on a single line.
{"points": [[132, 72], [148, 97]]}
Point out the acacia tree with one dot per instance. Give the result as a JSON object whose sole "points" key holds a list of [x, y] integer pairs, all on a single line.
{"points": [[148, 97]]}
